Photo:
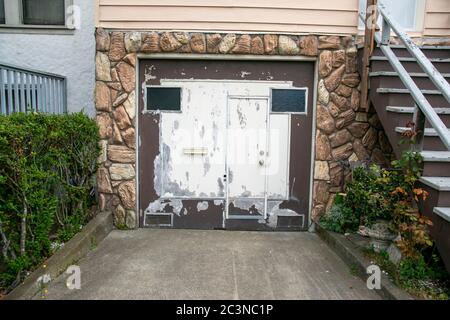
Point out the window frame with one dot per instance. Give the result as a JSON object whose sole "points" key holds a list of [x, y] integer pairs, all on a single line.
{"points": [[419, 17], [147, 110], [305, 89], [14, 18]]}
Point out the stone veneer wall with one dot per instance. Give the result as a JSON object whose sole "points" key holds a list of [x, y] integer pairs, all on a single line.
{"points": [[343, 134]]}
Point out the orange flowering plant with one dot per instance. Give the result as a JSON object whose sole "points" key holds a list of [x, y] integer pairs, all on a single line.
{"points": [[412, 226]]}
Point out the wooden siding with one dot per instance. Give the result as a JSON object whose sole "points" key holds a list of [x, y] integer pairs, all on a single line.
{"points": [[297, 16], [437, 18], [281, 16]]}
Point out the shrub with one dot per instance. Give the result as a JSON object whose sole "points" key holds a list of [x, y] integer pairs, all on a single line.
{"points": [[367, 198], [47, 165], [341, 218]]}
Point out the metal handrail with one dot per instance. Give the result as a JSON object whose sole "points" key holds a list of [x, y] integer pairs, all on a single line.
{"points": [[426, 65], [27, 90], [31, 71], [415, 51]]}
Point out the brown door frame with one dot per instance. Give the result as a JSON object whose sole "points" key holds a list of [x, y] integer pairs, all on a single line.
{"points": [[185, 56]]}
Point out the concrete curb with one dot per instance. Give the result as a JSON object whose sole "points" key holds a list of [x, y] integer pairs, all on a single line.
{"points": [[77, 247], [352, 256]]}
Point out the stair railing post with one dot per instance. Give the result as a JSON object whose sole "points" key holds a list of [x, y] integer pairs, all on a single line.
{"points": [[385, 33], [370, 24], [419, 126]]}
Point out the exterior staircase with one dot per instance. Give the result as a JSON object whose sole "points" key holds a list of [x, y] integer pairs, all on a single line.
{"points": [[396, 107]]}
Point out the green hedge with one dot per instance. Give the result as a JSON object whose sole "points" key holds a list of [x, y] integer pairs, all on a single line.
{"points": [[47, 168]]}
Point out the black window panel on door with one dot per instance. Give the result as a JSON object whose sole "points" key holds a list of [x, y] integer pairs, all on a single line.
{"points": [[44, 12], [289, 100], [2, 11], [163, 99]]}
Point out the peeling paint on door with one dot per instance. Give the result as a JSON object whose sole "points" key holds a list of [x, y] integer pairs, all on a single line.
{"points": [[223, 156]]}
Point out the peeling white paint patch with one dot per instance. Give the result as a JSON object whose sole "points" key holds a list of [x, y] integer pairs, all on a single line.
{"points": [[202, 206], [155, 207], [218, 202], [253, 206], [148, 73], [274, 211], [177, 205], [160, 205], [244, 74]]}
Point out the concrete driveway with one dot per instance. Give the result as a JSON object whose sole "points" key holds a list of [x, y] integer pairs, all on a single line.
{"points": [[192, 264]]}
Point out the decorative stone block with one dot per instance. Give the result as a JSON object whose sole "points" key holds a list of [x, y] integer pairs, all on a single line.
{"points": [[126, 76], [102, 67], [242, 45], [102, 97], [129, 105], [287, 46], [329, 42], [358, 129], [120, 171], [129, 137], [133, 41], [333, 80], [120, 99], [212, 42], [342, 152], [323, 149], [103, 181], [323, 95], [102, 39], [121, 118], [168, 42], [270, 43], [104, 122], [344, 91], [338, 58], [227, 43], [309, 46], [325, 121], [198, 43], [325, 63], [127, 194], [351, 60], [121, 154], [257, 46], [339, 138], [117, 49], [150, 42], [321, 170], [130, 219], [119, 216]]}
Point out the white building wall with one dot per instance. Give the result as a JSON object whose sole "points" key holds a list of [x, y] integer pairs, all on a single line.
{"points": [[69, 53]]}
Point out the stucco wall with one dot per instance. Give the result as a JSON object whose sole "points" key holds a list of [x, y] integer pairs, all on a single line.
{"points": [[71, 55]]}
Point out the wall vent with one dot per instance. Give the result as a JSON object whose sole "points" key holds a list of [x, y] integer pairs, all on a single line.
{"points": [[158, 220], [288, 222]]}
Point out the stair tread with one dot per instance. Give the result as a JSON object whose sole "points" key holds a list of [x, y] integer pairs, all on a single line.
{"points": [[429, 132], [395, 74], [400, 90], [402, 109], [421, 47], [382, 58], [438, 183], [436, 156], [443, 212]]}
